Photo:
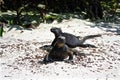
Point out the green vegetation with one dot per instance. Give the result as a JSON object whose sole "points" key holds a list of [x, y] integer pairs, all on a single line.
{"points": [[25, 12], [1, 30]]}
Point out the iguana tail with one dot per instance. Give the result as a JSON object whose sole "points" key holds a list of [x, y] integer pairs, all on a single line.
{"points": [[90, 37]]}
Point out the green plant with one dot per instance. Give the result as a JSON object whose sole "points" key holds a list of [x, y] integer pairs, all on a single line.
{"points": [[1, 30]]}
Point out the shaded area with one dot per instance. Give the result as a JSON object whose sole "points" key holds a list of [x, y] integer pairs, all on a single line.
{"points": [[108, 27], [88, 9]]}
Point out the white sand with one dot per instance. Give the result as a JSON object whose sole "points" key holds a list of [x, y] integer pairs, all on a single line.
{"points": [[20, 52]]}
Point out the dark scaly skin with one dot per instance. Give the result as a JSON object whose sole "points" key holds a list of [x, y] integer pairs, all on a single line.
{"points": [[59, 52], [72, 41]]}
